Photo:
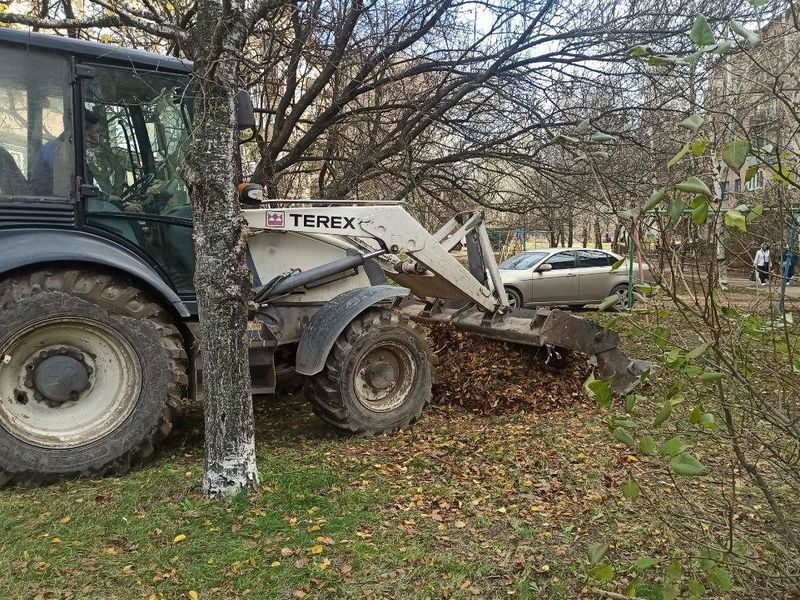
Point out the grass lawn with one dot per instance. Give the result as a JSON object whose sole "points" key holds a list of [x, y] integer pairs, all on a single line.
{"points": [[462, 506]]}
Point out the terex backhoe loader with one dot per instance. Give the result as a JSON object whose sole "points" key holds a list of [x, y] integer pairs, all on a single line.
{"points": [[98, 318]]}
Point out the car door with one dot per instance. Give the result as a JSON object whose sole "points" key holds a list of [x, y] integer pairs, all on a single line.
{"points": [[595, 277], [559, 285]]}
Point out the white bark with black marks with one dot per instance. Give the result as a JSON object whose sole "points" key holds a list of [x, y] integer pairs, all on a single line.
{"points": [[221, 277]]}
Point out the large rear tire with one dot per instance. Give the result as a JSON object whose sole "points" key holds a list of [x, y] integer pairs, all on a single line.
{"points": [[92, 374], [377, 378]]}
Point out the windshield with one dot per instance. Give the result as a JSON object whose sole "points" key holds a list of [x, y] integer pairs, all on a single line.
{"points": [[135, 131], [525, 260]]}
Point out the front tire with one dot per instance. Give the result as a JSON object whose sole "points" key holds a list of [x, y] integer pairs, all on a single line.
{"points": [[514, 298], [92, 375], [377, 377]]}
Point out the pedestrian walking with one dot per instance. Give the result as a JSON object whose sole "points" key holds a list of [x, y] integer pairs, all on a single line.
{"points": [[761, 263]]}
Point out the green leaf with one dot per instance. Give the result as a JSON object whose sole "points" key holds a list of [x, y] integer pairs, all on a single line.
{"points": [[720, 578], [623, 436], [583, 126], [711, 376], [733, 218], [673, 446], [655, 199], [755, 212], [566, 138], [698, 351], [596, 552], [630, 402], [701, 33], [665, 60], [602, 573], [681, 153], [669, 592], [646, 444], [749, 38], [695, 590], [602, 138], [696, 414], [608, 303], [693, 185], [663, 414], [723, 48], [751, 172], [630, 489], [686, 464], [673, 572], [699, 146], [692, 122], [707, 421], [735, 154], [675, 209], [642, 564], [700, 214], [599, 389], [782, 175], [639, 51]]}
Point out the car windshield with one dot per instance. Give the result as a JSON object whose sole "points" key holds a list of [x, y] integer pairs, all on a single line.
{"points": [[525, 260]]}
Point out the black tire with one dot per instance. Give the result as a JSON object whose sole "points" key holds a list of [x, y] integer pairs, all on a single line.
{"points": [[622, 291], [124, 327], [377, 338], [514, 298]]}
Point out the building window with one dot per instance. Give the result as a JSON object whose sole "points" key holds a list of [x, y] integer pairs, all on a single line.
{"points": [[737, 186], [723, 187], [756, 181]]}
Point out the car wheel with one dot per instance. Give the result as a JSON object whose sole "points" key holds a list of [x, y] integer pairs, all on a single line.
{"points": [[621, 290], [514, 298]]}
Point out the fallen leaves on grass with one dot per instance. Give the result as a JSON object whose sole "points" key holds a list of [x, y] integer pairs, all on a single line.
{"points": [[490, 376]]}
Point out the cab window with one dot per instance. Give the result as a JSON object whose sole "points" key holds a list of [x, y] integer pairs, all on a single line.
{"points": [[36, 137]]}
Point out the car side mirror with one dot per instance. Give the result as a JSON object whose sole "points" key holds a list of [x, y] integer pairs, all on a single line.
{"points": [[544, 267], [245, 115]]}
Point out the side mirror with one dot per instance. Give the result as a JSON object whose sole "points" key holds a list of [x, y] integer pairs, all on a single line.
{"points": [[245, 115], [544, 267]]}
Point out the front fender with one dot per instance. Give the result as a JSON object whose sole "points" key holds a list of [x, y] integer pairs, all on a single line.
{"points": [[20, 248], [329, 321]]}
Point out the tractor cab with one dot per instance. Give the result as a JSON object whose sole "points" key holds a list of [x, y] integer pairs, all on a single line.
{"points": [[92, 138]]}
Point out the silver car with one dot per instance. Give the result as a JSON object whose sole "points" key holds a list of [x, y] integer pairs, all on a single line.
{"points": [[570, 276]]}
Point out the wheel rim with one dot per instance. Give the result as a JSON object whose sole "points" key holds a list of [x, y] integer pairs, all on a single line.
{"points": [[67, 382], [384, 376], [512, 299], [622, 302]]}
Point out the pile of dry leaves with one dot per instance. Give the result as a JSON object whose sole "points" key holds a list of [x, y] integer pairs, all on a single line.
{"points": [[490, 376]]}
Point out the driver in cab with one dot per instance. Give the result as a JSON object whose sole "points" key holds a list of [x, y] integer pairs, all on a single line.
{"points": [[54, 150]]}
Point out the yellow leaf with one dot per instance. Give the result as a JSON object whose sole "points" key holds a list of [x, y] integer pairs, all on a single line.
{"points": [[324, 564], [314, 528], [632, 458], [275, 563], [65, 520], [317, 549], [55, 540], [193, 595], [179, 538]]}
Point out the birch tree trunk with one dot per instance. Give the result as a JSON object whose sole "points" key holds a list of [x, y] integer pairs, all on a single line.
{"points": [[221, 277]]}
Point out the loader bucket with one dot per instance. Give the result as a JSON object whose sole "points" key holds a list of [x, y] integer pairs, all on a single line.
{"points": [[544, 328]]}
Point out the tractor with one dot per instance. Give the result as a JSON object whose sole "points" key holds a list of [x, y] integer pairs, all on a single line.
{"points": [[98, 314]]}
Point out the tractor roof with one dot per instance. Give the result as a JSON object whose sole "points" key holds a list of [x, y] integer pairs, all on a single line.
{"points": [[95, 51]]}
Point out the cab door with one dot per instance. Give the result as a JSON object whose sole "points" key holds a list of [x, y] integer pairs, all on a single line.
{"points": [[560, 284]]}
